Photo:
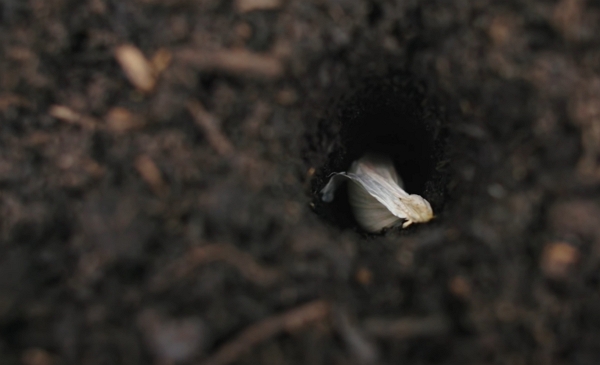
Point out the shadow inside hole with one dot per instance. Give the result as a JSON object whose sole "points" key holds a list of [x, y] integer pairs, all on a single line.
{"points": [[393, 119]]}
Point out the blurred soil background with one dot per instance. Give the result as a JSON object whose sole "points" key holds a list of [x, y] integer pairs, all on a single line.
{"points": [[160, 162]]}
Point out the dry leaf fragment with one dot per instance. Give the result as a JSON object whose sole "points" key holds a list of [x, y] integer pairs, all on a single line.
{"points": [[137, 68], [70, 116], [376, 195], [64, 113], [150, 173], [161, 60]]}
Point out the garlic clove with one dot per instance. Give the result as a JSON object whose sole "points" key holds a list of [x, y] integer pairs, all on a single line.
{"points": [[376, 195]]}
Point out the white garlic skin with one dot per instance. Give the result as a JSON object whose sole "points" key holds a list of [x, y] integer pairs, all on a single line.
{"points": [[376, 196], [370, 214]]}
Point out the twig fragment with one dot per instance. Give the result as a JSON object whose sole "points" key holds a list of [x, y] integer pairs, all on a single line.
{"points": [[290, 321], [242, 261], [210, 126], [405, 328], [234, 61]]}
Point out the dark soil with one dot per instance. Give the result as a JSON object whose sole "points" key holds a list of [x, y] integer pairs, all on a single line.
{"points": [[133, 233]]}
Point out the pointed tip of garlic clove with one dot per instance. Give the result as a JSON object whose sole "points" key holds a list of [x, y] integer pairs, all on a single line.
{"points": [[420, 210]]}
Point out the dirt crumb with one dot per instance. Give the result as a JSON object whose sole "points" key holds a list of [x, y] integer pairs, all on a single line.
{"points": [[558, 259], [120, 120], [36, 356], [244, 6]]}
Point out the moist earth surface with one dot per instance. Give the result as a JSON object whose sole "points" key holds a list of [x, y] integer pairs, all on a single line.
{"points": [[160, 163]]}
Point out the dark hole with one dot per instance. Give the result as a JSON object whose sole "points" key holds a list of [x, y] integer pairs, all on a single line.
{"points": [[395, 118]]}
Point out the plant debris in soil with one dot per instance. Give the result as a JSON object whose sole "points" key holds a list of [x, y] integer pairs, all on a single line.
{"points": [[160, 163]]}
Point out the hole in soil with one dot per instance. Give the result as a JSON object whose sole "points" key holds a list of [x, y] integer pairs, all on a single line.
{"points": [[391, 116]]}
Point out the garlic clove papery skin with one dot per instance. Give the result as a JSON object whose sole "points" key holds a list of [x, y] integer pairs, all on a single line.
{"points": [[370, 214], [376, 195]]}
